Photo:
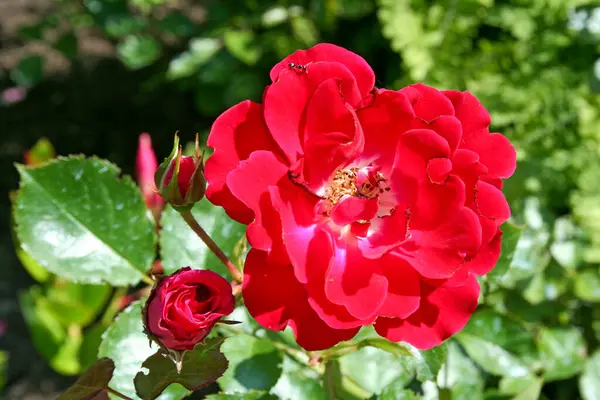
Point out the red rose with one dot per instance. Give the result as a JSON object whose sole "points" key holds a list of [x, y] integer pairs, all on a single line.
{"points": [[364, 205], [184, 307]]}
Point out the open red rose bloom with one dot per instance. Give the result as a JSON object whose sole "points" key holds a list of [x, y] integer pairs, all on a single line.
{"points": [[364, 205]]}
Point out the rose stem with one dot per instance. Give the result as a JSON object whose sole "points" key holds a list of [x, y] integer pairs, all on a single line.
{"points": [[118, 394], [191, 221]]}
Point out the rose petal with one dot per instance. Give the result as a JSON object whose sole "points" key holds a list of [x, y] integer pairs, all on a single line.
{"points": [[444, 310], [403, 295], [276, 299], [428, 103], [351, 209], [237, 133], [361, 70]]}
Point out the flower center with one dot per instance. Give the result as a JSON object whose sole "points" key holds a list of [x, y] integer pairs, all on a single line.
{"points": [[365, 182]]}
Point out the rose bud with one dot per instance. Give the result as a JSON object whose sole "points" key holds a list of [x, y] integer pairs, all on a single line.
{"points": [[180, 179], [145, 167], [183, 308]]}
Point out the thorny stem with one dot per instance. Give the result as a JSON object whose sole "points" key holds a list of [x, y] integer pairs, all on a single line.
{"points": [[118, 394], [191, 221]]}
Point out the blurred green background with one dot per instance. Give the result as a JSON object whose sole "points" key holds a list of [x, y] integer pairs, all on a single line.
{"points": [[91, 75]]}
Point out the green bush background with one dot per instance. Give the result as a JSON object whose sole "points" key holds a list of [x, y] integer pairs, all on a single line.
{"points": [[100, 72]]}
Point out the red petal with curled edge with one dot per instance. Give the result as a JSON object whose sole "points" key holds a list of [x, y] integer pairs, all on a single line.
{"points": [[237, 133], [276, 299], [360, 69], [444, 310]]}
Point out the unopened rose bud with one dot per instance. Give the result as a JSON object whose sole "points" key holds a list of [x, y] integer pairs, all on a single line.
{"points": [[146, 166], [180, 179], [184, 307]]}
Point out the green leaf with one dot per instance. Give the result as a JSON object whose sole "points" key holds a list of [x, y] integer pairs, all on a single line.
{"points": [[242, 45], [251, 395], [562, 352], [128, 346], [510, 238], [298, 382], [187, 63], [429, 362], [177, 23], [304, 30], [79, 221], [532, 392], [93, 382], [74, 303], [504, 332], [395, 393], [491, 357], [180, 247], [199, 368], [589, 382], [517, 385], [373, 369], [138, 51], [29, 71], [254, 364], [460, 375], [587, 285], [92, 337], [67, 44]]}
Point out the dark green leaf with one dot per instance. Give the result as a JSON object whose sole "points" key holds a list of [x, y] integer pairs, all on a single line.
{"points": [[29, 71], [177, 23], [79, 221], [94, 381], [589, 382], [67, 44], [180, 247], [92, 337], [562, 352], [254, 364], [199, 368], [128, 346], [138, 51]]}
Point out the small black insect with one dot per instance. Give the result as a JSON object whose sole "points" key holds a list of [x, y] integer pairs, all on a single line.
{"points": [[297, 67]]}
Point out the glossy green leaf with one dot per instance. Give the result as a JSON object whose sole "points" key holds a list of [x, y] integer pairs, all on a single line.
{"points": [[127, 345], [180, 247], [429, 362], [74, 303], [562, 352], [199, 368], [298, 382], [373, 369], [589, 382], [503, 331], [29, 71], [517, 385], [92, 382], [77, 219], [138, 51], [254, 364], [460, 375], [491, 357]]}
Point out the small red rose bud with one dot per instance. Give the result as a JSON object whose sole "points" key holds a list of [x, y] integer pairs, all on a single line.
{"points": [[183, 308], [189, 184]]}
